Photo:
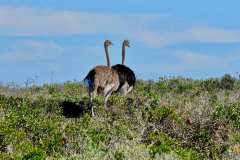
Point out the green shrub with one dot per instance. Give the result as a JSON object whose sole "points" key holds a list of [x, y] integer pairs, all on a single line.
{"points": [[210, 85], [229, 113], [156, 120], [35, 155], [119, 155], [227, 82], [160, 143]]}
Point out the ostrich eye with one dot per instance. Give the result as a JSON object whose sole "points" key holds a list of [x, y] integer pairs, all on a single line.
{"points": [[108, 43], [127, 43]]}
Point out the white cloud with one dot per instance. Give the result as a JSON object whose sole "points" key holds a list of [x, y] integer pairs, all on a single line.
{"points": [[19, 56], [233, 57], [185, 61], [160, 39], [25, 21], [31, 22], [195, 60], [29, 50], [40, 45], [200, 60], [215, 35]]}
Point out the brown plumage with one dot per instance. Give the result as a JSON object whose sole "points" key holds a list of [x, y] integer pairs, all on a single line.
{"points": [[102, 79]]}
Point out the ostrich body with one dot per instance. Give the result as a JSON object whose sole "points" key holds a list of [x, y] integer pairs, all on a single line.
{"points": [[102, 79], [127, 77]]}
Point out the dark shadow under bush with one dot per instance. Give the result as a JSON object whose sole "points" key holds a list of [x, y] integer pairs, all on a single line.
{"points": [[74, 109]]}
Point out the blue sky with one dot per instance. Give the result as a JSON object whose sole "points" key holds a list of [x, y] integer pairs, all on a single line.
{"points": [[63, 40]]}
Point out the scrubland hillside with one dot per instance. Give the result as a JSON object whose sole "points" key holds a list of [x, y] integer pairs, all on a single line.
{"points": [[173, 118]]}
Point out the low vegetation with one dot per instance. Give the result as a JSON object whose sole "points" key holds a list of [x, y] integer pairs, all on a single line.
{"points": [[172, 118]]}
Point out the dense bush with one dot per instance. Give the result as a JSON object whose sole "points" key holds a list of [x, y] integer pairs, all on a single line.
{"points": [[173, 118], [227, 82], [229, 114]]}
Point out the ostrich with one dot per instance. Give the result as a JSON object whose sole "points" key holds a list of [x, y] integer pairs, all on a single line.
{"points": [[102, 79], [127, 77]]}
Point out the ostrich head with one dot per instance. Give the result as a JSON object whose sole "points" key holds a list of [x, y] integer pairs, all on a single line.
{"points": [[126, 43], [107, 43]]}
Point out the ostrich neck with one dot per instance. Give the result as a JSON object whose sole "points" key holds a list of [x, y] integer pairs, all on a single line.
{"points": [[123, 54], [107, 56]]}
